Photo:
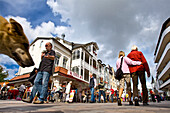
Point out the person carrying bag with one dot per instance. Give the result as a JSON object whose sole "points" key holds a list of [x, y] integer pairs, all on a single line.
{"points": [[123, 74], [119, 72]]}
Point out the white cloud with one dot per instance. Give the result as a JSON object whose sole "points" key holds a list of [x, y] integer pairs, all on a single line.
{"points": [[43, 30], [11, 72]]}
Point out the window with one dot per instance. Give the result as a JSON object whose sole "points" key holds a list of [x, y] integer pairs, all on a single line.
{"points": [[41, 44], [33, 47], [75, 69], [65, 59], [91, 62], [94, 64], [86, 75], [57, 59], [88, 48], [100, 69], [82, 55], [81, 73], [86, 58], [76, 54]]}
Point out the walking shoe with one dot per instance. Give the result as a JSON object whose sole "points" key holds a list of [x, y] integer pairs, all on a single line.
{"points": [[119, 102], [27, 100], [145, 104], [136, 101], [38, 102], [130, 103], [46, 102]]}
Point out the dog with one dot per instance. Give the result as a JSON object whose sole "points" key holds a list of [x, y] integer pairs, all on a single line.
{"points": [[14, 43]]}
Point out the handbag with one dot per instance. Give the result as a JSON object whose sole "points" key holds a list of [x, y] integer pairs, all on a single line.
{"points": [[119, 72], [32, 76]]}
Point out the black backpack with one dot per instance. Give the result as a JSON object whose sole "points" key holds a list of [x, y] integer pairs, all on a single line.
{"points": [[119, 72]]}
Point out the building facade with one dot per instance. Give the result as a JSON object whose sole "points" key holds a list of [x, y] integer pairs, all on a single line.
{"points": [[73, 62], [162, 58]]}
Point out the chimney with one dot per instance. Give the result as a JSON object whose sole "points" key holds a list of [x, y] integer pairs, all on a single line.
{"points": [[63, 36]]}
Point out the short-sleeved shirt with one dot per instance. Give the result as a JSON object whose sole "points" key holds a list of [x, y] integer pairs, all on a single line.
{"points": [[47, 64]]}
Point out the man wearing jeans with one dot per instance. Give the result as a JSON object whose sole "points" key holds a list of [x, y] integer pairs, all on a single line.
{"points": [[92, 86], [139, 71], [42, 78]]}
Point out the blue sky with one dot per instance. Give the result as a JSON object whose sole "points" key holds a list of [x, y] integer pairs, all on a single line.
{"points": [[114, 24]]}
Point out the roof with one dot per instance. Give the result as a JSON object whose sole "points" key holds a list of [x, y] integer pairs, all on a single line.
{"points": [[76, 45], [164, 26], [2, 83], [54, 39], [20, 77]]}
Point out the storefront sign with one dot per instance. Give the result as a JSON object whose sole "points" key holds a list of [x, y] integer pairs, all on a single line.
{"points": [[74, 74]]}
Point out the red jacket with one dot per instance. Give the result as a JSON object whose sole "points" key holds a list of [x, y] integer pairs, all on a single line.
{"points": [[138, 56]]}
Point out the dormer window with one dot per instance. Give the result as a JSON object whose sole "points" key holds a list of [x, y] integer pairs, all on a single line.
{"points": [[94, 51]]}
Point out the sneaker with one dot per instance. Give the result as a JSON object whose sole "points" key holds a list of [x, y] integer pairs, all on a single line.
{"points": [[130, 103], [38, 102], [119, 102], [145, 104], [27, 100]]}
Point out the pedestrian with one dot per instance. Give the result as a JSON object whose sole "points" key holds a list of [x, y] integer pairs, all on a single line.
{"points": [[112, 94], [126, 75], [139, 71], [60, 91], [101, 90], [92, 86], [22, 89], [42, 77], [152, 95], [67, 92]]}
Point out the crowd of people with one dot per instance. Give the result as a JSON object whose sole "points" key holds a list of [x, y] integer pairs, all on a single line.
{"points": [[133, 66]]}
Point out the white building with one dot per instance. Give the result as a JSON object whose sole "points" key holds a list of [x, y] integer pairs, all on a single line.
{"points": [[162, 57], [74, 62]]}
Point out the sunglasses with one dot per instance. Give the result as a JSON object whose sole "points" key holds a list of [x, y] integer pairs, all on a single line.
{"points": [[46, 45]]}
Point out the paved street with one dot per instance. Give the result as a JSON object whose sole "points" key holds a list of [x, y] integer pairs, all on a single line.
{"points": [[12, 106]]}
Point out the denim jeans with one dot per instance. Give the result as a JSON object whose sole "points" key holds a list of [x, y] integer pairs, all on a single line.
{"points": [[103, 93], [92, 95], [40, 85]]}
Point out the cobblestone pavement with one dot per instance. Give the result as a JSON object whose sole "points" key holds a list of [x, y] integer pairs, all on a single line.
{"points": [[13, 106]]}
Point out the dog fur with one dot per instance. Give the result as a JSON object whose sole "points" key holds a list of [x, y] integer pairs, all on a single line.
{"points": [[14, 43]]}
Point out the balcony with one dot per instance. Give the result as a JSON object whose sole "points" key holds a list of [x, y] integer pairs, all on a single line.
{"points": [[163, 42], [164, 58], [166, 84], [165, 71]]}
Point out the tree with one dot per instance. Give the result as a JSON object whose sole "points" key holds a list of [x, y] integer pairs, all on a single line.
{"points": [[3, 74]]}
